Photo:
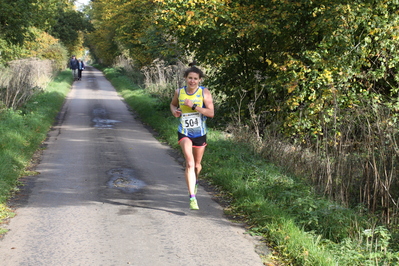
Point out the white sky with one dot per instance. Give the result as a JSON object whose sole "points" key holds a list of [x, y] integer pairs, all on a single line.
{"points": [[84, 2], [79, 3]]}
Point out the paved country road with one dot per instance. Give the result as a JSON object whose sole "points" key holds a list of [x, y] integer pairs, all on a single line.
{"points": [[109, 193]]}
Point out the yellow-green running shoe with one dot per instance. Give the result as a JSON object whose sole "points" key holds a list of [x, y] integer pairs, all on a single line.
{"points": [[193, 204]]}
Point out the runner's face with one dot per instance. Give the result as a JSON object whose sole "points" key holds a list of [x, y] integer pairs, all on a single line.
{"points": [[193, 80]]}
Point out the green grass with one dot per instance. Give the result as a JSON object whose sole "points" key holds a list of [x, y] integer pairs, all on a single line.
{"points": [[21, 133]]}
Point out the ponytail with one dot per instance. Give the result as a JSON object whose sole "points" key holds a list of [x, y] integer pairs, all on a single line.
{"points": [[194, 69]]}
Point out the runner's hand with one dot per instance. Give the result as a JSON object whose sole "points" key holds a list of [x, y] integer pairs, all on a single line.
{"points": [[188, 103], [177, 112]]}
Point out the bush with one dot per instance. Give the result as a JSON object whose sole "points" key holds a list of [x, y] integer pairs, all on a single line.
{"points": [[22, 79]]}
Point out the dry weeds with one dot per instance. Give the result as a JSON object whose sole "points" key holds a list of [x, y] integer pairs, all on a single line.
{"points": [[22, 79]]}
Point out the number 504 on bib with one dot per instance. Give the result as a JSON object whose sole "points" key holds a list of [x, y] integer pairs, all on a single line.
{"points": [[190, 120]]}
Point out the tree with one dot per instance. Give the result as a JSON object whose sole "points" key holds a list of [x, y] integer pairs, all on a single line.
{"points": [[69, 27], [321, 74], [16, 17], [129, 28], [20, 19]]}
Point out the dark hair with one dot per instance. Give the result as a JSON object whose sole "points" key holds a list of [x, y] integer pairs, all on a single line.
{"points": [[194, 69]]}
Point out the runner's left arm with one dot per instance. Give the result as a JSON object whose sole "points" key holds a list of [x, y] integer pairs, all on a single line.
{"points": [[208, 109]]}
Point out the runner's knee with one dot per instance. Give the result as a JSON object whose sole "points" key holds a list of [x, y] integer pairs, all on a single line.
{"points": [[198, 166], [190, 164]]}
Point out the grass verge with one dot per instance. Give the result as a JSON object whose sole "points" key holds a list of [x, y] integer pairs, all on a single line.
{"points": [[21, 133]]}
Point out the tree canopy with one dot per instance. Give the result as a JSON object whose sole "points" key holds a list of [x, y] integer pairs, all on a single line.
{"points": [[129, 28], [21, 20], [16, 17]]}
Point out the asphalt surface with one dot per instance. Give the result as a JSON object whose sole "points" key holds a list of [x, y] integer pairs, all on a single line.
{"points": [[109, 193]]}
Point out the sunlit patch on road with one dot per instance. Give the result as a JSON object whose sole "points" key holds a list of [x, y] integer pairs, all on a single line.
{"points": [[104, 123], [100, 119], [123, 179]]}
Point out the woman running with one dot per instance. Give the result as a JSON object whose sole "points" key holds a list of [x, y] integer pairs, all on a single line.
{"points": [[193, 104]]}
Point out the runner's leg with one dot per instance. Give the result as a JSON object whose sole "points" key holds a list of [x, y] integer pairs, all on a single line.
{"points": [[187, 148], [198, 153]]}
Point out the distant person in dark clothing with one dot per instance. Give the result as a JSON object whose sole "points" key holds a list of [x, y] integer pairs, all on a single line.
{"points": [[81, 66], [74, 66]]}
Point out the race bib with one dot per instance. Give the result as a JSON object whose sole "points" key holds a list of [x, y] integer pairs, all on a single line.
{"points": [[191, 120]]}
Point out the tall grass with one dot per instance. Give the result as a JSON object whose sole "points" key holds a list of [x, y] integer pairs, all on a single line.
{"points": [[356, 167], [129, 69], [22, 79], [162, 79]]}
